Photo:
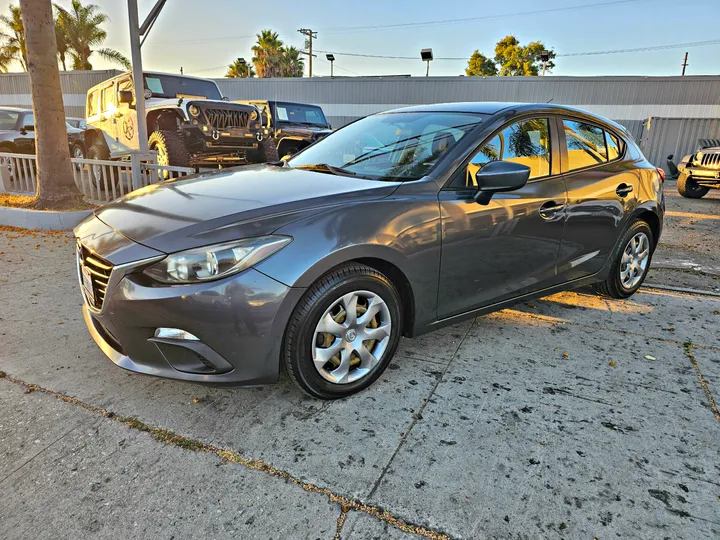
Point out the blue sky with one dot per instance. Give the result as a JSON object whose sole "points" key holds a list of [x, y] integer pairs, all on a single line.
{"points": [[203, 37]]}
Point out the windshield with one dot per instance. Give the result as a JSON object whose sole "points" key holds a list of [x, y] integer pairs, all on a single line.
{"points": [[8, 119], [299, 114], [394, 146], [169, 86]]}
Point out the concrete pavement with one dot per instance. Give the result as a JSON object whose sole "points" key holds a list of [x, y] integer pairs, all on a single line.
{"points": [[566, 417]]}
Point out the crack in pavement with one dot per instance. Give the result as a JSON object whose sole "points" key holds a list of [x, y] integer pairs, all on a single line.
{"points": [[229, 456], [344, 510], [688, 347], [418, 415]]}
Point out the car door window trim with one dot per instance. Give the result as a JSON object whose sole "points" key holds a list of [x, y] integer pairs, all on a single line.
{"points": [[565, 161]]}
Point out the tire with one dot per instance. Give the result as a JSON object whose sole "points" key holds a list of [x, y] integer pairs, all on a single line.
{"points": [[302, 339], [615, 286], [689, 188], [171, 150], [101, 152], [266, 152]]}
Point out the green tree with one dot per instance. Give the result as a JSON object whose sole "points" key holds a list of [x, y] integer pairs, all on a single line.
{"points": [[517, 60], [480, 65], [81, 24], [62, 42], [291, 65], [268, 53], [236, 70], [13, 38]]}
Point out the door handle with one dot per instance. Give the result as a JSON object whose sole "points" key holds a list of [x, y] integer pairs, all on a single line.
{"points": [[550, 209], [623, 190]]}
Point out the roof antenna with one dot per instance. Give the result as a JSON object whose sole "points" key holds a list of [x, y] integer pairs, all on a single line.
{"points": [[549, 100]]}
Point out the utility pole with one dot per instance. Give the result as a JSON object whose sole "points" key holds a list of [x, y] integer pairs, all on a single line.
{"points": [[309, 35], [684, 64], [138, 78]]}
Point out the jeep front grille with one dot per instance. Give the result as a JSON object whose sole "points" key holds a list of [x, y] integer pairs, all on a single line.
{"points": [[100, 271], [711, 161], [227, 118]]}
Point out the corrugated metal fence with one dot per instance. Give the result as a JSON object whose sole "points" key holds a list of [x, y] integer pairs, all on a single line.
{"points": [[662, 137]]}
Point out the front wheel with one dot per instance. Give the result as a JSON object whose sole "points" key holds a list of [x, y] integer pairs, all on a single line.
{"points": [[266, 152], [343, 332], [171, 150], [631, 262], [688, 187]]}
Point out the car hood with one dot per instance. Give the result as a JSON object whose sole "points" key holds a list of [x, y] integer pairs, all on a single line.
{"points": [[231, 204]]}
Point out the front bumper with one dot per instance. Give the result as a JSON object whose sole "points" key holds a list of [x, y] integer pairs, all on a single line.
{"points": [[700, 174], [239, 322]]}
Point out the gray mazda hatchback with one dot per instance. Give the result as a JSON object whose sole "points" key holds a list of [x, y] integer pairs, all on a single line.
{"points": [[395, 225]]}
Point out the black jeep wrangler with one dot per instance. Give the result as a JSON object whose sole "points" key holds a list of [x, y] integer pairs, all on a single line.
{"points": [[700, 172], [293, 126]]}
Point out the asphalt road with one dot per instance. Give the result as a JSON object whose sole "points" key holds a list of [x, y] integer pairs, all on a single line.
{"points": [[566, 417]]}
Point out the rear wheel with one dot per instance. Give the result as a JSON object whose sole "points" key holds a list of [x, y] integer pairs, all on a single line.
{"points": [[100, 152], [343, 332], [266, 152], [170, 148], [688, 187], [631, 261]]}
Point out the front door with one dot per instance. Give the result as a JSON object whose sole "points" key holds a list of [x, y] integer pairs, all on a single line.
{"points": [[508, 247], [126, 118], [602, 192], [25, 139]]}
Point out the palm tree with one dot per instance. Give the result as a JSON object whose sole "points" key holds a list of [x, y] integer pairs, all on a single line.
{"points": [[61, 40], [268, 54], [13, 47], [236, 70], [55, 183], [292, 65], [82, 28]]}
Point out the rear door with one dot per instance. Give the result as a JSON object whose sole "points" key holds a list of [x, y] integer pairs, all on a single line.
{"points": [[25, 139], [602, 191], [508, 247]]}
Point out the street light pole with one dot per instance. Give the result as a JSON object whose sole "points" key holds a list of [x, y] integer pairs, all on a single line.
{"points": [[331, 59], [137, 72]]}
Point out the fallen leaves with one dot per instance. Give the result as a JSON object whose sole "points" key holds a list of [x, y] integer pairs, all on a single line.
{"points": [[611, 364], [650, 357]]}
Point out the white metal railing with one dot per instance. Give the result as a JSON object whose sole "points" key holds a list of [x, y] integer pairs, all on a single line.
{"points": [[99, 181]]}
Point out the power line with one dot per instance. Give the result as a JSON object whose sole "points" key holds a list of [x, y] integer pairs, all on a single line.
{"points": [[587, 53], [353, 29]]}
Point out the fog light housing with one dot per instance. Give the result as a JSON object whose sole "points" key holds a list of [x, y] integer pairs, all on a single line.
{"points": [[175, 333]]}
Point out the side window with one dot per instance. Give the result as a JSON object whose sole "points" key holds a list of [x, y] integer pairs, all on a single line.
{"points": [[107, 99], [29, 120], [613, 146], [526, 142], [585, 144], [92, 103]]}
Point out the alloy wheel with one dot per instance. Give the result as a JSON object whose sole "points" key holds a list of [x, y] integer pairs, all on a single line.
{"points": [[634, 261], [351, 337]]}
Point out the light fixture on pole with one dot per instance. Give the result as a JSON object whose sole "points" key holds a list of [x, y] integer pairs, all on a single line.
{"points": [[242, 62], [427, 56], [331, 59], [545, 58]]}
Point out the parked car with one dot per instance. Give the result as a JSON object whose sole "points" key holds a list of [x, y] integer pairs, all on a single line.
{"points": [[698, 173], [78, 123], [398, 224], [17, 133], [293, 126], [189, 122]]}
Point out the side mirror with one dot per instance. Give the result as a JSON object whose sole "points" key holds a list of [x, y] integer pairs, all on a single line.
{"points": [[225, 98], [499, 176], [29, 127], [125, 96]]}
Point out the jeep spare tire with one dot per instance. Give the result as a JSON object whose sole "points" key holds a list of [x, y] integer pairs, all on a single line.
{"points": [[266, 152], [170, 148]]}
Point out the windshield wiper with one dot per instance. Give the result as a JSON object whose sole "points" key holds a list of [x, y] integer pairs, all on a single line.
{"points": [[324, 167]]}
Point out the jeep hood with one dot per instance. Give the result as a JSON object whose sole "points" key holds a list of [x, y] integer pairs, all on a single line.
{"points": [[225, 205]]}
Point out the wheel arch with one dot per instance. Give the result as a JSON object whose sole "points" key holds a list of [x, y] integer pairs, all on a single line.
{"points": [[652, 219], [94, 137], [163, 119]]}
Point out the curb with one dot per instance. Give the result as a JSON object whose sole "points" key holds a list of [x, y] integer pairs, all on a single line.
{"points": [[24, 218]]}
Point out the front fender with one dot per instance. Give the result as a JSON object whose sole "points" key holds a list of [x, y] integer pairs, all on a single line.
{"points": [[402, 230]]}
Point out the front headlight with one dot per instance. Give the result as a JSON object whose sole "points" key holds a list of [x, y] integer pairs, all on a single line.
{"points": [[215, 262], [194, 110]]}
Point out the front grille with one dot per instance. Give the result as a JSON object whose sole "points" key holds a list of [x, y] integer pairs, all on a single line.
{"points": [[711, 161], [100, 271], [227, 118]]}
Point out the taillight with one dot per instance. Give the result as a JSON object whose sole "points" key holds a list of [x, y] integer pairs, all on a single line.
{"points": [[661, 172]]}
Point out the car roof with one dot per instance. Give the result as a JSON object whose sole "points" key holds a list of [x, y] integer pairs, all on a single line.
{"points": [[494, 107], [145, 72], [14, 109]]}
